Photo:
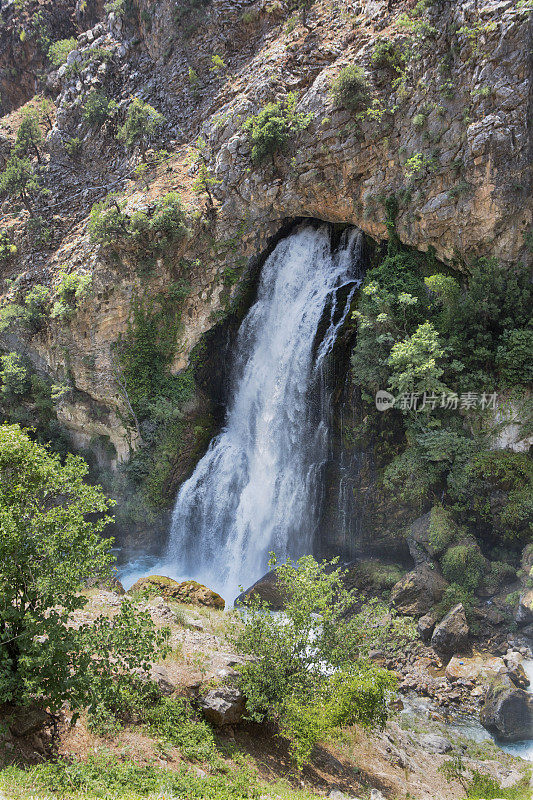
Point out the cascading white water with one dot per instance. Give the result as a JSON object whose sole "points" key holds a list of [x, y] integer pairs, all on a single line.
{"points": [[256, 489]]}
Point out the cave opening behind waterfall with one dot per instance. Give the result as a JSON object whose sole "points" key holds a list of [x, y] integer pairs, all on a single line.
{"points": [[277, 477]]}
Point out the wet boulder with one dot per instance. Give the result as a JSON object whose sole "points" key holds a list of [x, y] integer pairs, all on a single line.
{"points": [[451, 635], [223, 706], [524, 614], [418, 591], [508, 711], [187, 592], [267, 589]]}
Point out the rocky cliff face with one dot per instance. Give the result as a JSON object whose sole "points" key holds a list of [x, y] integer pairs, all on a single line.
{"points": [[445, 130]]}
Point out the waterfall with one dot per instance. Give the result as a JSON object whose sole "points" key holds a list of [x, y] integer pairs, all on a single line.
{"points": [[258, 487]]}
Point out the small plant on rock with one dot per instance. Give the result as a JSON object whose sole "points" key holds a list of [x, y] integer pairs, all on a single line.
{"points": [[271, 129], [351, 89], [142, 126]]}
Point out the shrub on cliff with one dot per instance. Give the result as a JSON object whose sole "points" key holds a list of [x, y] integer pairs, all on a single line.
{"points": [[51, 523], [142, 126], [270, 130], [58, 51], [97, 109], [18, 180], [309, 670], [464, 565], [351, 89]]}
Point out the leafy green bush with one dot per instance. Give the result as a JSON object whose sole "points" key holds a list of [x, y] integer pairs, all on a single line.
{"points": [[29, 136], [36, 307], [453, 595], [97, 109], [387, 54], [142, 126], [152, 231], [73, 287], [58, 51], [14, 376], [73, 147], [351, 89], [271, 129], [442, 529], [19, 180], [464, 565], [415, 363], [514, 357], [308, 670], [7, 248], [47, 553], [494, 490]]}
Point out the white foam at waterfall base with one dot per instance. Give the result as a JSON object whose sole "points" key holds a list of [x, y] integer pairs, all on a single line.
{"points": [[257, 488]]}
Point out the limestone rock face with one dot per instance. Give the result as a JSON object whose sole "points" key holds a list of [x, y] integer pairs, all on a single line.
{"points": [[508, 712], [223, 706], [524, 614], [451, 635], [418, 591], [185, 592]]}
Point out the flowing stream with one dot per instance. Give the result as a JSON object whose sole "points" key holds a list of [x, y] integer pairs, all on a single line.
{"points": [[258, 487]]}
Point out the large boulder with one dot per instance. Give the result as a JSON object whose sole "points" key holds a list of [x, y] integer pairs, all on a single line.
{"points": [[418, 540], [426, 626], [524, 614], [508, 711], [223, 706], [267, 589], [188, 592], [418, 591], [480, 668], [451, 635]]}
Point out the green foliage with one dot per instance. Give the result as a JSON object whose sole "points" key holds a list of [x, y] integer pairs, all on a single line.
{"points": [[48, 549], [351, 89], [442, 529], [73, 147], [58, 51], [104, 776], [271, 129], [19, 180], [7, 249], [453, 595], [514, 357], [97, 109], [146, 352], [142, 126], [189, 14], [308, 669], [496, 301], [151, 230], [36, 307], [72, 289], [29, 136], [387, 54], [493, 490], [415, 362], [217, 63], [464, 565], [484, 787], [14, 376]]}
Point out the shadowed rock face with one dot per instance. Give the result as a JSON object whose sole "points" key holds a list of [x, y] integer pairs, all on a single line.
{"points": [[508, 712], [451, 635], [418, 591]]}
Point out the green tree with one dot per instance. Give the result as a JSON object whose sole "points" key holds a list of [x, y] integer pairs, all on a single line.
{"points": [[271, 129], [51, 524], [415, 362], [309, 670], [58, 51], [13, 375], [97, 109], [29, 137], [351, 89], [19, 180], [142, 126]]}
